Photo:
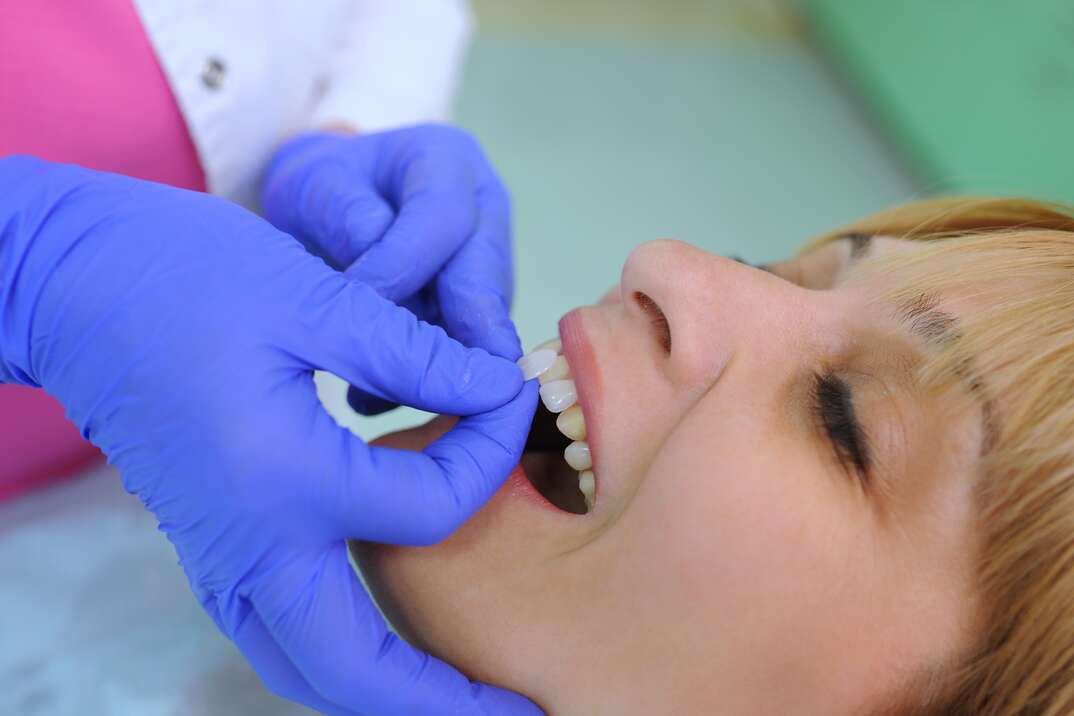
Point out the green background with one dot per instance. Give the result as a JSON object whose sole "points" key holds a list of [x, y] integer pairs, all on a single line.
{"points": [[979, 94]]}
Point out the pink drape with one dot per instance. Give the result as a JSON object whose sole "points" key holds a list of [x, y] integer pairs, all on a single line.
{"points": [[80, 83]]}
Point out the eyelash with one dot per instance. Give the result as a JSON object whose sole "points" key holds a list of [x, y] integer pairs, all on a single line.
{"points": [[834, 407], [759, 267]]}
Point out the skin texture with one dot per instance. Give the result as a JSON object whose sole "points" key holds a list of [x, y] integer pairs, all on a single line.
{"points": [[735, 562]]}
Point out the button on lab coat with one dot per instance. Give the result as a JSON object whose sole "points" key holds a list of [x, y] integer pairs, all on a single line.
{"points": [[247, 74]]}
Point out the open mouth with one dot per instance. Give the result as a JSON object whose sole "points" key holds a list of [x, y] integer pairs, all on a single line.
{"points": [[546, 468], [557, 459]]}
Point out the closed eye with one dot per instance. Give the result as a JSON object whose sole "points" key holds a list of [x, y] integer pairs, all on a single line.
{"points": [[834, 406]]}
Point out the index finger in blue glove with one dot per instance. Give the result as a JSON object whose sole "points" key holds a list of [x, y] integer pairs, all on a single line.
{"points": [[335, 637], [475, 287], [395, 356], [435, 194]]}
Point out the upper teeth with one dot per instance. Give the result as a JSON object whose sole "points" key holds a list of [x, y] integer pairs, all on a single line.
{"points": [[554, 344], [588, 485], [557, 370], [571, 423], [577, 456], [559, 395]]}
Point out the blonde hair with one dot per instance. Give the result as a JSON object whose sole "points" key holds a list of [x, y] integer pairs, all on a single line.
{"points": [[1016, 258]]}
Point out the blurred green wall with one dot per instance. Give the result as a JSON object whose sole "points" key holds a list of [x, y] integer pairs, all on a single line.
{"points": [[978, 94]]}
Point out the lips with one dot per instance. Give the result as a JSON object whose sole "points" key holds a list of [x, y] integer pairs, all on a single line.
{"points": [[587, 379]]}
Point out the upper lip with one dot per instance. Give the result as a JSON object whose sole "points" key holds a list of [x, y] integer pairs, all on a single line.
{"points": [[585, 372]]}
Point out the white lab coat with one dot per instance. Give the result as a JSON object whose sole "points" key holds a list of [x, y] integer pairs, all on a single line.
{"points": [[247, 74]]}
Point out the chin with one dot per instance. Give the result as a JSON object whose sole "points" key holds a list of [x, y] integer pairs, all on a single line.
{"points": [[473, 599], [509, 598]]}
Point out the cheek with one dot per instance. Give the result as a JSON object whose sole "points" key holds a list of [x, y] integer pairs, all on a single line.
{"points": [[746, 545], [734, 519]]}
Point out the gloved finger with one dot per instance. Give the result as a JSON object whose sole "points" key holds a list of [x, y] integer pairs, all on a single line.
{"points": [[334, 635], [275, 669], [437, 213], [402, 497], [475, 286], [423, 305], [382, 349], [336, 216]]}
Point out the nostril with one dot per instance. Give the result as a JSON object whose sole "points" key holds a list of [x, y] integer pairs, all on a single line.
{"points": [[657, 318]]}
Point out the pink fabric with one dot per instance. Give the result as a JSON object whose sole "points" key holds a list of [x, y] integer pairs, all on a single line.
{"points": [[80, 83]]}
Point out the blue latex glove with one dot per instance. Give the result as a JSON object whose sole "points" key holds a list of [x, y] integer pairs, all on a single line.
{"points": [[417, 213], [181, 332]]}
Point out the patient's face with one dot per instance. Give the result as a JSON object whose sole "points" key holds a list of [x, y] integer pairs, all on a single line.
{"points": [[754, 548]]}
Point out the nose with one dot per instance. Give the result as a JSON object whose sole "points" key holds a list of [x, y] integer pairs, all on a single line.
{"points": [[714, 307]]}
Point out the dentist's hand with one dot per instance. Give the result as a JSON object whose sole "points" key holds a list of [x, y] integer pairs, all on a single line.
{"points": [[181, 332], [416, 213]]}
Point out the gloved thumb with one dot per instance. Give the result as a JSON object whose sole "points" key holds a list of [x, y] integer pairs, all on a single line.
{"points": [[334, 215]]}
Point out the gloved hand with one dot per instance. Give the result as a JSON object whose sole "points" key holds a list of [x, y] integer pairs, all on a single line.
{"points": [[181, 332], [416, 213]]}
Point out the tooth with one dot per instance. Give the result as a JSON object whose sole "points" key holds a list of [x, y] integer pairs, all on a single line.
{"points": [[554, 345], [559, 370], [559, 395], [536, 363], [571, 423], [578, 457], [587, 485]]}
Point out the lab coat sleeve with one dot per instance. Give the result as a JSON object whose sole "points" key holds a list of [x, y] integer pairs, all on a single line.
{"points": [[396, 62]]}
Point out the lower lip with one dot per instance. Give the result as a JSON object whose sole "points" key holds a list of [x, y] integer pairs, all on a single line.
{"points": [[518, 486]]}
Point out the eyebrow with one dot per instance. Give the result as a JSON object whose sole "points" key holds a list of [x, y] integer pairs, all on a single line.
{"points": [[939, 329], [859, 244]]}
